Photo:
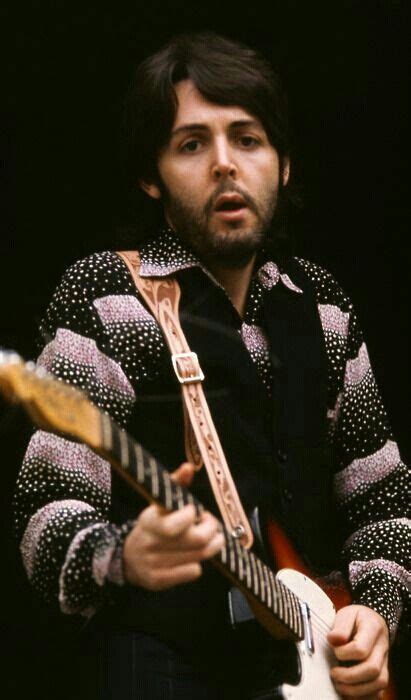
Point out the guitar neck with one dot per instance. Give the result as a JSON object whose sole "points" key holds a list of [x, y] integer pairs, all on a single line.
{"points": [[274, 604]]}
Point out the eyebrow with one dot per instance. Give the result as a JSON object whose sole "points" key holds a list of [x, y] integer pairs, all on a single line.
{"points": [[238, 124]]}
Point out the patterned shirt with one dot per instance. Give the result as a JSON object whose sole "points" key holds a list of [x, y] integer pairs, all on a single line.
{"points": [[98, 335]]}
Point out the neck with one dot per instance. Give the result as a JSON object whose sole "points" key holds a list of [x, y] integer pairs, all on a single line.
{"points": [[235, 281]]}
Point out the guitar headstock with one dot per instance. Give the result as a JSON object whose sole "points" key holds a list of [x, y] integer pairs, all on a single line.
{"points": [[52, 404]]}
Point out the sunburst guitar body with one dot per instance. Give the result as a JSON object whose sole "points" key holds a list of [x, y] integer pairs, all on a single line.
{"points": [[323, 600]]}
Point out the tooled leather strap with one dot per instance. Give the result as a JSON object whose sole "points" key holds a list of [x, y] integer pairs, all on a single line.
{"points": [[162, 296]]}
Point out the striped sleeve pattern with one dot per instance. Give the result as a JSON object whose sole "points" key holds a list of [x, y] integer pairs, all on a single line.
{"points": [[70, 550], [371, 478]]}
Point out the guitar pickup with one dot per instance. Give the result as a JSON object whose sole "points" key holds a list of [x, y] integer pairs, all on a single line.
{"points": [[308, 636]]}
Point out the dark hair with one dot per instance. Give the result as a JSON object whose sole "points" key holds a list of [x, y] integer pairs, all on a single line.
{"points": [[224, 71]]}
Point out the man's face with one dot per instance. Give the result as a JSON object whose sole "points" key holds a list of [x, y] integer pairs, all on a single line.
{"points": [[219, 178]]}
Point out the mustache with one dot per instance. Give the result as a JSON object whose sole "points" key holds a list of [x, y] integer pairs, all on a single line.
{"points": [[225, 188]]}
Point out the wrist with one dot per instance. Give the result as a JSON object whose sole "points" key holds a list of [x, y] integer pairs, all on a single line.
{"points": [[117, 569]]}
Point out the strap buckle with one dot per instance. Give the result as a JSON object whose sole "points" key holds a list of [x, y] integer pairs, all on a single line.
{"points": [[187, 367]]}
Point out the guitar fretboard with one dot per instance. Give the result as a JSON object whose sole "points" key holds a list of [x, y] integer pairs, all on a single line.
{"points": [[146, 475]]}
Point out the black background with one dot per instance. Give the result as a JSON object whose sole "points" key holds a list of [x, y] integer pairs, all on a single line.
{"points": [[67, 66]]}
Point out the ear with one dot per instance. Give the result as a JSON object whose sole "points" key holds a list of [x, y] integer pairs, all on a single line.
{"points": [[286, 170], [150, 188]]}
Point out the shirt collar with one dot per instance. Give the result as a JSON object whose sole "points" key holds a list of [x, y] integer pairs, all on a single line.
{"points": [[166, 254]]}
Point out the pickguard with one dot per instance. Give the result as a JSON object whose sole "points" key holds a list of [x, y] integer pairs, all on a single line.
{"points": [[315, 681]]}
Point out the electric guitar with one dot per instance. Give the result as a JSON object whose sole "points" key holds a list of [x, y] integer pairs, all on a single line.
{"points": [[289, 605]]}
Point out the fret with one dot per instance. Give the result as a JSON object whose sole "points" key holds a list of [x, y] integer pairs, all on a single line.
{"points": [[154, 478], [168, 493], [197, 505], [267, 587], [289, 604], [294, 608], [185, 494], [260, 578], [132, 459], [232, 556], [297, 611], [282, 597], [247, 567], [223, 553], [254, 574], [138, 450], [190, 499], [178, 496], [124, 447], [277, 602], [239, 559]]}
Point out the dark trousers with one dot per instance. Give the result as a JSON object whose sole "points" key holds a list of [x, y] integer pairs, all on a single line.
{"points": [[136, 666]]}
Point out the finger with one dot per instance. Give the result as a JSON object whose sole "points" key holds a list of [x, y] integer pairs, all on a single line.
{"points": [[167, 578], [184, 474], [195, 536], [363, 672], [361, 690], [360, 648], [368, 630], [172, 558], [179, 529], [344, 626], [200, 534], [167, 525]]}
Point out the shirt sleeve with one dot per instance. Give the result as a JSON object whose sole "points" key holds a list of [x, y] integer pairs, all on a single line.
{"points": [[371, 481], [70, 550]]}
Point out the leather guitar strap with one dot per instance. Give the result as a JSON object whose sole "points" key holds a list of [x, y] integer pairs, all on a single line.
{"points": [[162, 296]]}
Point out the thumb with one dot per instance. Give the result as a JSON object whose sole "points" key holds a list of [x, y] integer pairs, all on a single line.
{"points": [[344, 626], [184, 474]]}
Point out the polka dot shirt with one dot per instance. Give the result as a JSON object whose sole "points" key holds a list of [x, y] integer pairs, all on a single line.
{"points": [[98, 335]]}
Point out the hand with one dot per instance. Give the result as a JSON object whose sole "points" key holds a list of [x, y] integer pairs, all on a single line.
{"points": [[360, 635], [165, 549]]}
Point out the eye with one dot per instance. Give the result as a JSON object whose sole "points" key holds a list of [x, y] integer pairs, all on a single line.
{"points": [[191, 146], [248, 141]]}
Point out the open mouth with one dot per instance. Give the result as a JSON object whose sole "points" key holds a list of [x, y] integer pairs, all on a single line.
{"points": [[230, 201], [230, 206]]}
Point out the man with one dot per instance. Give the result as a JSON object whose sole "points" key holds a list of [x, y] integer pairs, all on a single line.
{"points": [[287, 379]]}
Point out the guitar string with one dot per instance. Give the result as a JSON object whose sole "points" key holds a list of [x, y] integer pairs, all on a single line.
{"points": [[320, 625]]}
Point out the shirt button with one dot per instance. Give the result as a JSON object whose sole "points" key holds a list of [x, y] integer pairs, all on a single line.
{"points": [[288, 495], [282, 455]]}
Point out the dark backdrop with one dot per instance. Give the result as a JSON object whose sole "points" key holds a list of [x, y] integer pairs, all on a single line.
{"points": [[344, 64]]}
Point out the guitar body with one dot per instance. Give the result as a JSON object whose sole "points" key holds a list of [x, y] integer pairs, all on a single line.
{"points": [[323, 600], [314, 665]]}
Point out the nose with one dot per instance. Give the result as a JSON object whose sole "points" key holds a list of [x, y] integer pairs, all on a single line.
{"points": [[223, 162]]}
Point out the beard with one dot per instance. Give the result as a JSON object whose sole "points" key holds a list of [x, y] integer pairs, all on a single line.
{"points": [[231, 247]]}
